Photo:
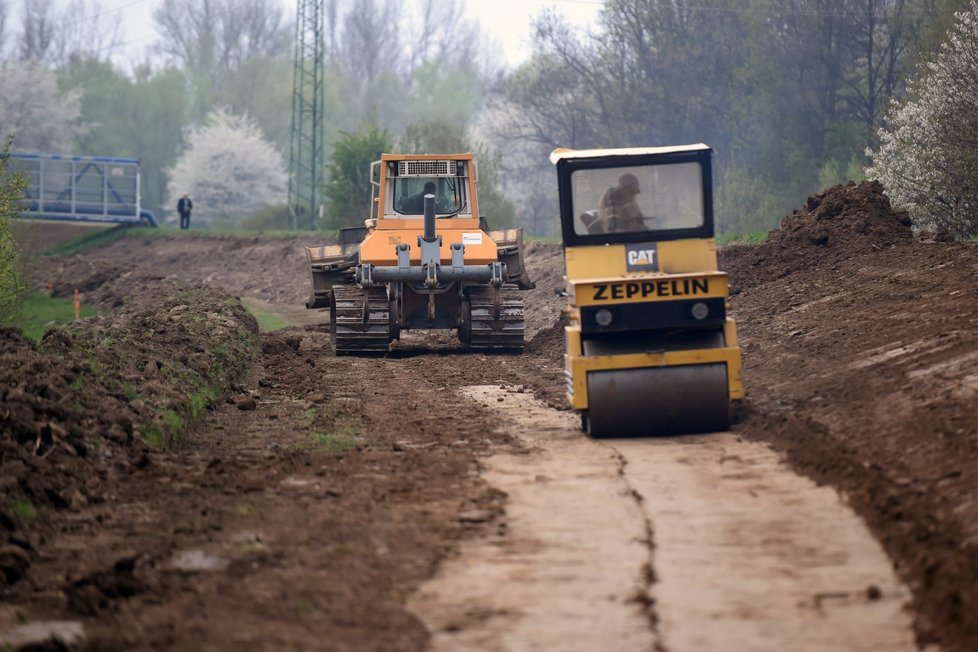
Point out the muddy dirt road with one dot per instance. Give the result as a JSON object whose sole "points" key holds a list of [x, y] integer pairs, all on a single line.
{"points": [[437, 499]]}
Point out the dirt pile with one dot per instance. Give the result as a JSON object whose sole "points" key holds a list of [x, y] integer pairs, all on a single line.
{"points": [[269, 269], [83, 404], [545, 264], [833, 225]]}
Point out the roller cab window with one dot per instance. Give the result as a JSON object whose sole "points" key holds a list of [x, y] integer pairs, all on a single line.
{"points": [[632, 199], [636, 197]]}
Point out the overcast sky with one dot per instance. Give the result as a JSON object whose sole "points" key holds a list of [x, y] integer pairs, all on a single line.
{"points": [[507, 21]]}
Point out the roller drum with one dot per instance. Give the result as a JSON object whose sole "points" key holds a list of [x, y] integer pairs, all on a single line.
{"points": [[658, 401]]}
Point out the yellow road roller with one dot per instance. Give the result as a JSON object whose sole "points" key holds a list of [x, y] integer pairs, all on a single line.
{"points": [[651, 349]]}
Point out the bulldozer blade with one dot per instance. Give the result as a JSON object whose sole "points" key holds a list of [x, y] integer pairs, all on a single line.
{"points": [[509, 244], [329, 265]]}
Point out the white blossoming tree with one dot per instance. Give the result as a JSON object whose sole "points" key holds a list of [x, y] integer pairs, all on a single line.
{"points": [[35, 113], [927, 158], [229, 170]]}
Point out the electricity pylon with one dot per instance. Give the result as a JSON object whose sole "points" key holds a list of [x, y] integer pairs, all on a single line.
{"points": [[308, 98]]}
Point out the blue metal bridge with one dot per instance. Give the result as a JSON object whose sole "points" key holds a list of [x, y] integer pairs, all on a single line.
{"points": [[84, 188]]}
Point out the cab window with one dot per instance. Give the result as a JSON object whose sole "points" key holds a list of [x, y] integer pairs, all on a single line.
{"points": [[638, 198], [409, 194]]}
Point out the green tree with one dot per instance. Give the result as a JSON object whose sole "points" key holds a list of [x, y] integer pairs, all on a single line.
{"points": [[348, 189], [141, 117], [788, 92], [261, 87], [12, 188]]}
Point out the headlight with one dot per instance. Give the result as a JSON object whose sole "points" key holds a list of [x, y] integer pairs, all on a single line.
{"points": [[603, 317], [700, 310]]}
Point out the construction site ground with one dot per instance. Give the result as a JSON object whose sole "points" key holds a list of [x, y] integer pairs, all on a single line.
{"points": [[441, 499]]}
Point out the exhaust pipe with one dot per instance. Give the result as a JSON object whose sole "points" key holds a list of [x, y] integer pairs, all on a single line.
{"points": [[429, 218]]}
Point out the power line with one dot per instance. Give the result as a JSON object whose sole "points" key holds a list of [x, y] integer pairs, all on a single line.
{"points": [[104, 12], [731, 10]]}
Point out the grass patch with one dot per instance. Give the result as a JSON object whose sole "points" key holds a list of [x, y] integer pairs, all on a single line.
{"points": [[26, 509], [340, 440], [38, 312], [166, 435], [248, 233], [173, 422], [309, 417], [154, 435], [201, 400], [269, 320], [750, 237], [99, 238]]}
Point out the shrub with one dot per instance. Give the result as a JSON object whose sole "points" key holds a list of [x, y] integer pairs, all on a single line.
{"points": [[11, 189], [927, 158]]}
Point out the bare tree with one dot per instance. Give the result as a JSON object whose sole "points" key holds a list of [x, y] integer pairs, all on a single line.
{"points": [[37, 30], [371, 38], [3, 27], [888, 31], [211, 36], [85, 31], [188, 31], [443, 34]]}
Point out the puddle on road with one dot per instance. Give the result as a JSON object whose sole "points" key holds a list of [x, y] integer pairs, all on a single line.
{"points": [[748, 555]]}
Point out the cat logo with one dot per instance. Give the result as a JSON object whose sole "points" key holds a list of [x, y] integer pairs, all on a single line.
{"points": [[642, 257]]}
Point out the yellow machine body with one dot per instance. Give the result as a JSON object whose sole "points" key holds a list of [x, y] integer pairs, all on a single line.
{"points": [[596, 276], [638, 362]]}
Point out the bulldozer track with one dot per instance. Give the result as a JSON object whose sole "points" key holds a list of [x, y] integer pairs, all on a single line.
{"points": [[351, 332], [491, 331]]}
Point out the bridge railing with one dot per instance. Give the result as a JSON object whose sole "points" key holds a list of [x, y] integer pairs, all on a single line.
{"points": [[85, 188]]}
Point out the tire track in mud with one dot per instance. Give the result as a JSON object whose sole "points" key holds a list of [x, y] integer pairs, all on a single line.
{"points": [[571, 569], [746, 555], [752, 557]]}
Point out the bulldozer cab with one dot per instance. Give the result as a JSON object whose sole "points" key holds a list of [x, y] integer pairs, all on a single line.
{"points": [[635, 195], [401, 183]]}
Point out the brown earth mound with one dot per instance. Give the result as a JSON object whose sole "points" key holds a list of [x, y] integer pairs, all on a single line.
{"points": [[84, 403], [545, 264], [834, 225]]}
